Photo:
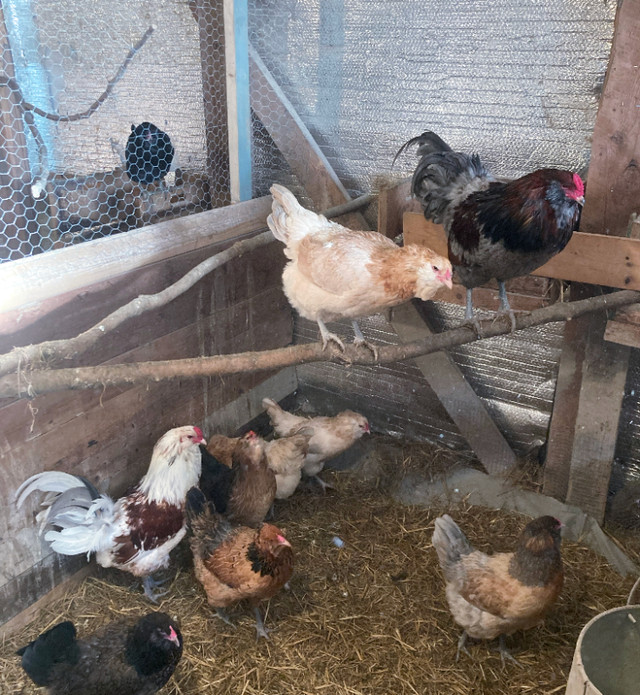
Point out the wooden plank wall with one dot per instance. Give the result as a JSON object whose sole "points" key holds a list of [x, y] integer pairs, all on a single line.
{"points": [[107, 435]]}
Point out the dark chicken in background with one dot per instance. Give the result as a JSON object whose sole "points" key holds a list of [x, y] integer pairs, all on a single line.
{"points": [[148, 154], [123, 657], [135, 533], [494, 229], [495, 595], [245, 492], [236, 562]]}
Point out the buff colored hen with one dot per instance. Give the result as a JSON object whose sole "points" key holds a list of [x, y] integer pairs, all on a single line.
{"points": [[335, 272]]}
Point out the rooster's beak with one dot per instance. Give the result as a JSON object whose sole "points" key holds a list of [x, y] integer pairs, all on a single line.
{"points": [[580, 200]]}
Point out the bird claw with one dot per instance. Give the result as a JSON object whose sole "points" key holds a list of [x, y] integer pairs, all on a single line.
{"points": [[332, 338], [324, 486], [461, 647], [506, 654], [148, 586], [511, 314], [474, 323], [261, 630], [361, 342], [224, 617]]}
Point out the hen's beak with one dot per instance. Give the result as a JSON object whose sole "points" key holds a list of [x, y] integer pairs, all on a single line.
{"points": [[445, 278], [580, 200]]}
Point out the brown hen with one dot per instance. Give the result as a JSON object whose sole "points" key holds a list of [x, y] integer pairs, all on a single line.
{"points": [[236, 562]]}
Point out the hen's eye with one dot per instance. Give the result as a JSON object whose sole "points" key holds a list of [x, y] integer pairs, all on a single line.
{"points": [[435, 267]]}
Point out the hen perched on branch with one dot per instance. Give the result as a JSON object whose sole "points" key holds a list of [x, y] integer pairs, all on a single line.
{"points": [[135, 533], [335, 272], [494, 229]]}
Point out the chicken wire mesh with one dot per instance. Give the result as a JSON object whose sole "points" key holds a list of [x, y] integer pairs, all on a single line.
{"points": [[135, 93]]}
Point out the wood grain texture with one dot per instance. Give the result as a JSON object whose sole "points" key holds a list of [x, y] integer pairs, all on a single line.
{"points": [[393, 202], [107, 434], [296, 143], [590, 258], [613, 190], [460, 401]]}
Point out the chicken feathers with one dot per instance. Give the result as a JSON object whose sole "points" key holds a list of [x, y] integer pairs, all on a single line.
{"points": [[494, 229], [494, 595], [134, 533], [330, 436], [335, 272], [124, 657], [236, 562]]}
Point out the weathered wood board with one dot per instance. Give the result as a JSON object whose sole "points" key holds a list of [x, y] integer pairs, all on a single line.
{"points": [[591, 258], [460, 401]]}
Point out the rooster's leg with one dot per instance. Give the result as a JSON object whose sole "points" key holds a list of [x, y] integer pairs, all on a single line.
{"points": [[261, 630], [461, 646], [505, 308], [505, 654], [148, 585], [360, 340], [328, 336], [469, 316]]}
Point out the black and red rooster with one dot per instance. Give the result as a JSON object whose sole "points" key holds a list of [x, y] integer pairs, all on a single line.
{"points": [[494, 229]]}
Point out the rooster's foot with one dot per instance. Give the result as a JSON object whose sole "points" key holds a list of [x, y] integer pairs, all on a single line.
{"points": [[512, 317], [224, 617], [461, 646], [148, 586], [261, 630], [505, 654]]}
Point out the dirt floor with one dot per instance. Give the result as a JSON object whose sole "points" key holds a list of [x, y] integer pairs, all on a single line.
{"points": [[368, 617]]}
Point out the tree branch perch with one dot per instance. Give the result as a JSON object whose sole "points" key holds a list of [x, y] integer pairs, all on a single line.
{"points": [[29, 384]]}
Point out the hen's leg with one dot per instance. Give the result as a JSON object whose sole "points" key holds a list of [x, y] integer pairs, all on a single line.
{"points": [[505, 654], [505, 308], [360, 340], [461, 646], [261, 630], [224, 617], [328, 336], [324, 485], [149, 584]]}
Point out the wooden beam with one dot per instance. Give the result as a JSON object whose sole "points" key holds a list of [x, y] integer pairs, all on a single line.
{"points": [[209, 16], [28, 281], [461, 402], [591, 258], [393, 202], [296, 143], [236, 41], [613, 190]]}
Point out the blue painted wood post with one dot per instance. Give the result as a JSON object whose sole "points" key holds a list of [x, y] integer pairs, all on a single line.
{"points": [[236, 16]]}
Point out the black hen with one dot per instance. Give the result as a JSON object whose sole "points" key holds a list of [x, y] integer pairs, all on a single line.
{"points": [[494, 229], [148, 154], [122, 657]]}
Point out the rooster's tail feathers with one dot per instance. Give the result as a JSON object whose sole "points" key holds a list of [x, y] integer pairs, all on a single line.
{"points": [[73, 506], [427, 143], [450, 543], [55, 646]]}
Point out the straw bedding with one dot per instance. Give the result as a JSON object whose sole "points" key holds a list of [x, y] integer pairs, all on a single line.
{"points": [[367, 617]]}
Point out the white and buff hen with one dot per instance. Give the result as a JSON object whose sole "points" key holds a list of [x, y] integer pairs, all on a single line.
{"points": [[335, 272], [330, 435]]}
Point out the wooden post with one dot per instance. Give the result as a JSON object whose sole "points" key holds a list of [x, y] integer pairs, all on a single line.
{"points": [[592, 374], [209, 17], [236, 33]]}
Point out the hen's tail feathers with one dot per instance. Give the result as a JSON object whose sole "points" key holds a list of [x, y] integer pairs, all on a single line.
{"points": [[289, 221], [450, 544], [283, 423], [73, 506], [208, 528], [55, 646], [442, 175]]}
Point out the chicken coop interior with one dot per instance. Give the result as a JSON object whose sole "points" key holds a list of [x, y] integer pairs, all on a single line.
{"points": [[148, 153]]}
